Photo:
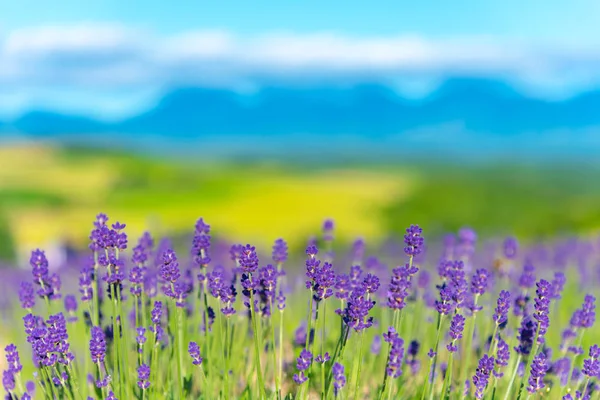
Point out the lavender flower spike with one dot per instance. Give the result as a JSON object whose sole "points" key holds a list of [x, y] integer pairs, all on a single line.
{"points": [[456, 331], [538, 372], [482, 375]]}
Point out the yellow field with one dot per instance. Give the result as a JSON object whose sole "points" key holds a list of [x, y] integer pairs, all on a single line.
{"points": [[261, 204]]}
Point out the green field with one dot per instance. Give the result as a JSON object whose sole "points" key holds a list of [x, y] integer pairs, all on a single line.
{"points": [[48, 193]]}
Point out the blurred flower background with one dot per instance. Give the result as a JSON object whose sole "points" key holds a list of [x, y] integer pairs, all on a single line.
{"points": [[266, 118]]}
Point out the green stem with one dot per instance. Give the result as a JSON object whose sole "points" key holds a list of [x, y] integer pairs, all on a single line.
{"points": [[95, 315], [257, 347], [116, 340], [532, 354], [572, 365], [447, 378], [280, 372], [180, 370], [466, 350], [512, 378], [223, 337], [309, 323], [358, 364], [437, 343]]}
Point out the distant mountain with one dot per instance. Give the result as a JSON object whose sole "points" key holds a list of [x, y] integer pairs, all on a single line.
{"points": [[370, 111]]}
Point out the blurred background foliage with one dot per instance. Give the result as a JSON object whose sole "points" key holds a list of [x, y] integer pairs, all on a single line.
{"points": [[51, 194]]}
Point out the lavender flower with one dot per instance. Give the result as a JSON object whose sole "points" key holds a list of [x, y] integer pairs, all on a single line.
{"points": [[12, 359], [591, 366], [527, 279], [502, 308], [502, 357], [143, 376], [97, 345], [8, 381], [356, 312], [27, 295], [457, 326], [194, 351], [248, 259], [482, 375], [511, 246], [413, 241], [302, 364], [338, 377], [140, 338], [586, 316], [479, 282], [376, 345], [558, 284], [526, 336], [538, 372], [399, 286], [394, 365], [542, 308], [280, 251], [169, 270], [201, 243]]}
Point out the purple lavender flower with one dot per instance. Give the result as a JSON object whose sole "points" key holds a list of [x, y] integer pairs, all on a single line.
{"points": [[394, 365], [324, 282], [591, 366], [280, 251], [12, 359], [228, 295], [502, 307], [482, 375], [479, 282], [140, 338], [201, 244], [445, 305], [302, 364], [526, 336], [27, 295], [280, 301], [399, 286], [322, 358], [143, 376], [586, 315], [169, 270], [502, 357], [356, 313], [338, 377], [376, 345], [511, 246], [40, 272], [412, 360], [558, 284], [542, 308], [248, 259], [358, 251], [527, 279], [413, 241], [216, 281], [97, 345], [194, 351], [8, 381], [538, 372], [70, 303], [85, 282], [111, 396], [457, 325], [342, 286]]}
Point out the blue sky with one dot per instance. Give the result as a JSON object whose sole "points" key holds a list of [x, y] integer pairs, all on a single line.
{"points": [[113, 58]]}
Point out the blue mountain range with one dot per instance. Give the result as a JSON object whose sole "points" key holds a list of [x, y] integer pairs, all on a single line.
{"points": [[468, 107]]}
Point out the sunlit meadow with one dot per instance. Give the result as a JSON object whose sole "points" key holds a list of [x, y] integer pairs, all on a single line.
{"points": [[200, 318]]}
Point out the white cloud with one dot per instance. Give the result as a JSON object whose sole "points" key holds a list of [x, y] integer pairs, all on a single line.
{"points": [[106, 57]]}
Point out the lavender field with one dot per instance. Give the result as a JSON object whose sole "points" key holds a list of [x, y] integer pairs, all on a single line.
{"points": [[452, 317]]}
